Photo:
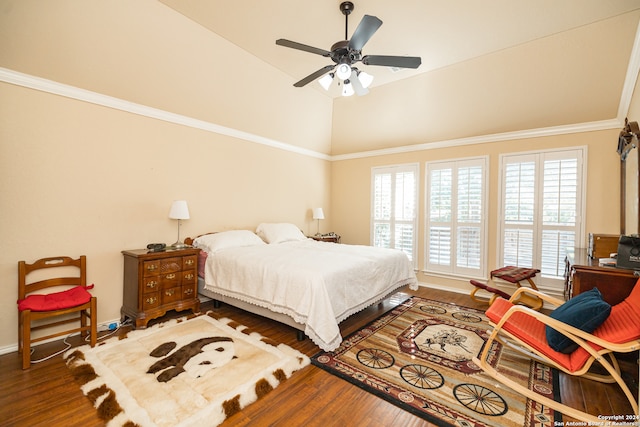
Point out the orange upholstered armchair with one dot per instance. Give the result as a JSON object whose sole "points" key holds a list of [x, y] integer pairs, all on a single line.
{"points": [[553, 341]]}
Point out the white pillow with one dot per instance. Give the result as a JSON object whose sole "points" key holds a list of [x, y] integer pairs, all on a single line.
{"points": [[279, 232], [227, 239]]}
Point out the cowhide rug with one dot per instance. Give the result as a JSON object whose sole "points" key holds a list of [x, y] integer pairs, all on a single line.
{"points": [[181, 373]]}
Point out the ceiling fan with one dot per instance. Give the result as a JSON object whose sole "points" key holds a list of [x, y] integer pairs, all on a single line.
{"points": [[346, 53]]}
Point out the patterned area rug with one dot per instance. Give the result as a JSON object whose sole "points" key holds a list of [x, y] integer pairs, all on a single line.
{"points": [[181, 373], [418, 357]]}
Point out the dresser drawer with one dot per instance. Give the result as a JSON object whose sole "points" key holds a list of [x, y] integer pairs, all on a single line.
{"points": [[171, 295], [151, 268], [150, 300], [189, 262], [170, 265], [150, 284], [189, 277], [189, 291], [170, 280]]}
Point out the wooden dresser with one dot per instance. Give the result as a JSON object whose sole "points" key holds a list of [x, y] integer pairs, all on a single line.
{"points": [[583, 273], [156, 282]]}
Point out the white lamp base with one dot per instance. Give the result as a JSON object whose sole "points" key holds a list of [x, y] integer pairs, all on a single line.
{"points": [[178, 245]]}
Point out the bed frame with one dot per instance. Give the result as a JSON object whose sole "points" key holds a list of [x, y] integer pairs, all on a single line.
{"points": [[255, 309], [251, 308]]}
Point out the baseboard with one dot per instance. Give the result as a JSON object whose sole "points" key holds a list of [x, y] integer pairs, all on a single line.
{"points": [[102, 326], [443, 288]]}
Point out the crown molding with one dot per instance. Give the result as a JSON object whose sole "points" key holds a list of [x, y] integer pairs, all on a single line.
{"points": [[497, 137], [56, 88]]}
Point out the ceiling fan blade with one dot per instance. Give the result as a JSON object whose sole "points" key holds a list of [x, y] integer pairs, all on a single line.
{"points": [[311, 77], [393, 61], [366, 28], [357, 85], [304, 47]]}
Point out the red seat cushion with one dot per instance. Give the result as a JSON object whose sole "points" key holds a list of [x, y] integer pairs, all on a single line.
{"points": [[57, 300]]}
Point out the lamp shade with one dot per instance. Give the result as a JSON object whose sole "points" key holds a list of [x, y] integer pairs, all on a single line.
{"points": [[325, 81], [365, 79], [179, 210], [344, 71], [347, 88], [318, 213]]}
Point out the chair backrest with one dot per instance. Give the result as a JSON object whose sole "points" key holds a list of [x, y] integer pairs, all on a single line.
{"points": [[24, 269]]}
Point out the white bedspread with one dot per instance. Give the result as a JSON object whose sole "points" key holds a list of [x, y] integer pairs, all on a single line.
{"points": [[318, 284]]}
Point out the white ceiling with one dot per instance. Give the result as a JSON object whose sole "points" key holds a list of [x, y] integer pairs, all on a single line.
{"points": [[441, 32]]}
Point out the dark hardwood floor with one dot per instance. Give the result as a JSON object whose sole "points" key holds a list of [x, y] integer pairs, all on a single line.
{"points": [[47, 394]]}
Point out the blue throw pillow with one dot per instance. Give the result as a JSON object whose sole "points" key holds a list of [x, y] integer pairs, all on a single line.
{"points": [[585, 311]]}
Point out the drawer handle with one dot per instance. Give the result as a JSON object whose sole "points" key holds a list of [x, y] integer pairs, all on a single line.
{"points": [[188, 291], [169, 292], [170, 276], [189, 262], [151, 267], [151, 300], [152, 284], [188, 276]]}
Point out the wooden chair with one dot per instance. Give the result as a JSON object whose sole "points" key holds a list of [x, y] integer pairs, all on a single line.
{"points": [[522, 328], [38, 308]]}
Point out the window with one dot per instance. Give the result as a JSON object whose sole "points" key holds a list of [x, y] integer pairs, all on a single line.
{"points": [[394, 196], [455, 217], [541, 210]]}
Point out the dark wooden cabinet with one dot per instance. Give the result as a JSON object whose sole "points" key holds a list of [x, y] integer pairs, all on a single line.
{"points": [[583, 273], [156, 282]]}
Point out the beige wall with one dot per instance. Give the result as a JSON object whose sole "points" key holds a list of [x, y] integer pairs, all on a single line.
{"points": [[78, 178]]}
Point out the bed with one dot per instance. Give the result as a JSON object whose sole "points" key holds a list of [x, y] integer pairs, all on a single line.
{"points": [[279, 273]]}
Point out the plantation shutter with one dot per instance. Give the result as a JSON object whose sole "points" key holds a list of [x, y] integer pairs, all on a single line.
{"points": [[542, 210], [560, 212], [394, 198], [455, 218]]}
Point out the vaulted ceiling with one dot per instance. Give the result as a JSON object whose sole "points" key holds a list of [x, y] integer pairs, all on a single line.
{"points": [[488, 67], [442, 32]]}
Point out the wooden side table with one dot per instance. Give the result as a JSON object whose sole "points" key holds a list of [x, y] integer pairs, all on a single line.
{"points": [[156, 282]]}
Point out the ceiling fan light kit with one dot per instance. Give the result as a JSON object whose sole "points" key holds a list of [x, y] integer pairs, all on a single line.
{"points": [[346, 53]]}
